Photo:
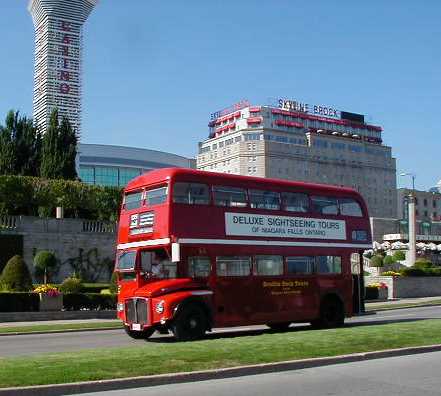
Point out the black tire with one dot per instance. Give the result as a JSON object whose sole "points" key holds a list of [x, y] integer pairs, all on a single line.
{"points": [[190, 324], [139, 335], [332, 314], [279, 326]]}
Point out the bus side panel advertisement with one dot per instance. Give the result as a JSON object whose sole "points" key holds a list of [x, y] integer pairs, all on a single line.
{"points": [[248, 224]]}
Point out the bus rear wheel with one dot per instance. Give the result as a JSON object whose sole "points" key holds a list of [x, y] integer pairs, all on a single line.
{"points": [[332, 314], [139, 335], [190, 324], [279, 326]]}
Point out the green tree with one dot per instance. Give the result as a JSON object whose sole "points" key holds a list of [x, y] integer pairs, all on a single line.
{"points": [[45, 265], [377, 261], [16, 276], [399, 255], [59, 149], [20, 146], [388, 260]]}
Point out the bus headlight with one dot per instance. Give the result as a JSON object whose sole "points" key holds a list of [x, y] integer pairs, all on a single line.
{"points": [[120, 307], [160, 307]]}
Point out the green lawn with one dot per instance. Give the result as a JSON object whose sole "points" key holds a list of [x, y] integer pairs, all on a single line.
{"points": [[58, 327], [158, 357]]}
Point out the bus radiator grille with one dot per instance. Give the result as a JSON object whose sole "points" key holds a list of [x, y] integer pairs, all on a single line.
{"points": [[136, 310]]}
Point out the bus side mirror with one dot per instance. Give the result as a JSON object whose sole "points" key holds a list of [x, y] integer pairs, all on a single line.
{"points": [[175, 253]]}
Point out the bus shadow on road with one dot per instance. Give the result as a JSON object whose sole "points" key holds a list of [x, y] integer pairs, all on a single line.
{"points": [[166, 339]]}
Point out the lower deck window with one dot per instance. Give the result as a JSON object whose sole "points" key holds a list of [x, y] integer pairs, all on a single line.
{"points": [[269, 265], [198, 267], [233, 265], [328, 264], [300, 265]]}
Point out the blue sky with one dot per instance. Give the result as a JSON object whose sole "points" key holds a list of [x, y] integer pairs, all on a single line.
{"points": [[154, 71]]}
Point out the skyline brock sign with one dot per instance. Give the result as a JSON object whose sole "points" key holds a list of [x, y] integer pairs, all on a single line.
{"points": [[293, 105], [247, 224]]}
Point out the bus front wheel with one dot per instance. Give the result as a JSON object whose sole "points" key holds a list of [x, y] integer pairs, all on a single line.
{"points": [[332, 314], [190, 324], [139, 335]]}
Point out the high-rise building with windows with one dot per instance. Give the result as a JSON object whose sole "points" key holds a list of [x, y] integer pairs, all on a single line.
{"points": [[298, 141], [57, 76]]}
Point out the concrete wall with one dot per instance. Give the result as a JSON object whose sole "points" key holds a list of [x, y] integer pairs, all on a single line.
{"points": [[402, 287], [90, 245]]}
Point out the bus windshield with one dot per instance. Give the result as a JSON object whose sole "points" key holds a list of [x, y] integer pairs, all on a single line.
{"points": [[126, 261]]}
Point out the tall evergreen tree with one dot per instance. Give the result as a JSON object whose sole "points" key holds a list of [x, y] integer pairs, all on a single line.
{"points": [[20, 146], [59, 149]]}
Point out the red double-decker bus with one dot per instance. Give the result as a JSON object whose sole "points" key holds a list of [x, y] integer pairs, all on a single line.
{"points": [[198, 250]]}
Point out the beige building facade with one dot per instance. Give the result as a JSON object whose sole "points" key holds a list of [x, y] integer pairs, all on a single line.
{"points": [[301, 142]]}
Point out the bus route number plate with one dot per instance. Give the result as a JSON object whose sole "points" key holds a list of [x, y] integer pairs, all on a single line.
{"points": [[136, 326]]}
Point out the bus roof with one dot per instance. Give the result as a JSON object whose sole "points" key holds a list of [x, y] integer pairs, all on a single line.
{"points": [[159, 175]]}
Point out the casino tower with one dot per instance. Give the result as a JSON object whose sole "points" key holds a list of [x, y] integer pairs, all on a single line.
{"points": [[58, 44]]}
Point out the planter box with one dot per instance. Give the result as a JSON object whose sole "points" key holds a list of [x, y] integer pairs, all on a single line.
{"points": [[50, 303]]}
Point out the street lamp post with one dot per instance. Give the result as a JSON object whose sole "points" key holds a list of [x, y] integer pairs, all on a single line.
{"points": [[411, 256]]}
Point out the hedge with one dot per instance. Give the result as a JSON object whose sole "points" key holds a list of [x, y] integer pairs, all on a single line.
{"points": [[371, 293], [29, 302], [90, 301], [33, 196], [19, 302]]}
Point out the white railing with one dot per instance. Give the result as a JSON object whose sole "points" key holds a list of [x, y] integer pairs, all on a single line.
{"points": [[99, 226], [9, 222]]}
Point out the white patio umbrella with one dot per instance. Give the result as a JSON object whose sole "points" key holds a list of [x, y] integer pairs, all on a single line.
{"points": [[431, 246], [385, 245], [421, 245], [376, 245], [398, 245], [439, 247]]}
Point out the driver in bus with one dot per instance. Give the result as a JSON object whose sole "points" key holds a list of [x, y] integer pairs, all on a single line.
{"points": [[160, 261]]}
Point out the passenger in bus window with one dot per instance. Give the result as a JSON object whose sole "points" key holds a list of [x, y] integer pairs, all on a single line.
{"points": [[162, 267]]}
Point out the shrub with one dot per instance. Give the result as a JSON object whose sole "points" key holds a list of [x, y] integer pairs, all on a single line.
{"points": [[399, 255], [19, 302], [35, 196], [71, 285], [16, 276], [94, 287], [377, 261], [388, 260], [412, 272], [423, 264], [45, 264], [89, 301]]}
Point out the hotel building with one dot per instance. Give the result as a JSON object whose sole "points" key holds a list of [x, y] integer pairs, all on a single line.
{"points": [[298, 141]]}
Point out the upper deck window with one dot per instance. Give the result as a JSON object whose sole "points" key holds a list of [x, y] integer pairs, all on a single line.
{"points": [[133, 200], [328, 265], [350, 207], [300, 265], [191, 193], [325, 205], [295, 202], [156, 196], [264, 199], [230, 196]]}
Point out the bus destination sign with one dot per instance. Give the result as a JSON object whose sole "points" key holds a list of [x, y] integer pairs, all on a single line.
{"points": [[247, 224]]}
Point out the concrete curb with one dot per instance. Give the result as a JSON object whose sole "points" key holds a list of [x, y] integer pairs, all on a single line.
{"points": [[403, 307], [60, 331], [164, 379]]}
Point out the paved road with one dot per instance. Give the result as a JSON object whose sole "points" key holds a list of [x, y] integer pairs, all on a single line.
{"points": [[404, 376], [64, 342]]}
